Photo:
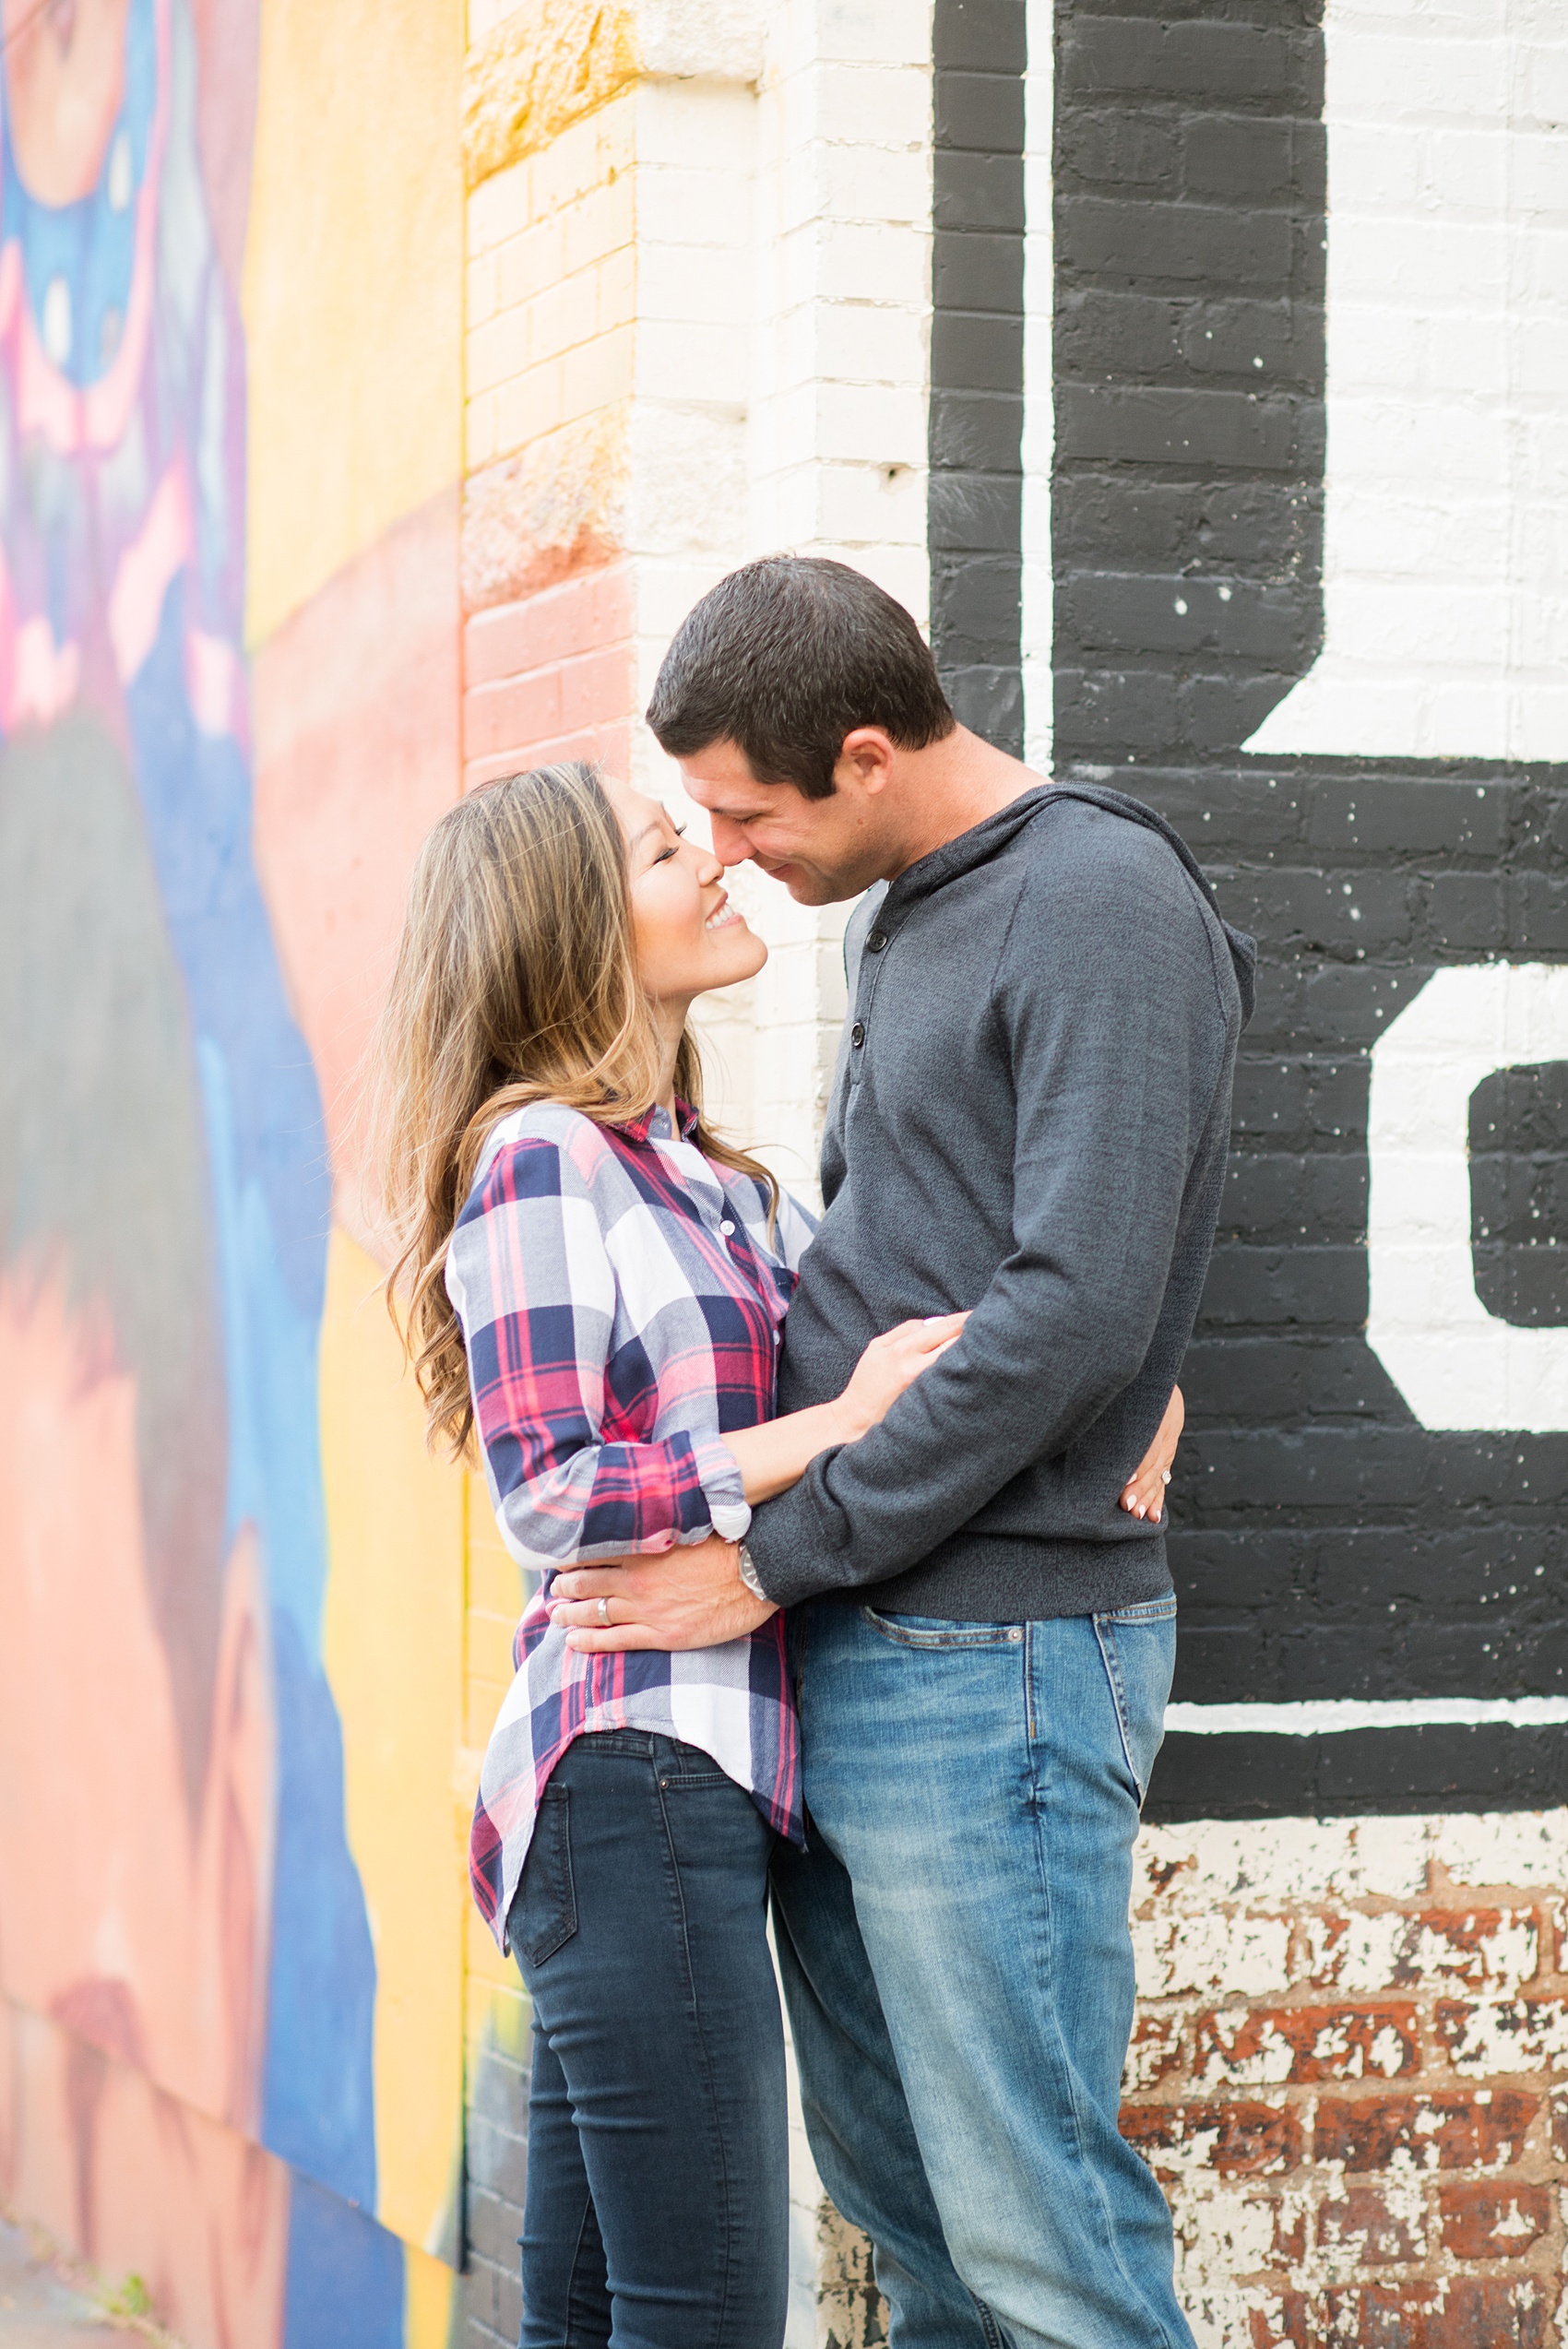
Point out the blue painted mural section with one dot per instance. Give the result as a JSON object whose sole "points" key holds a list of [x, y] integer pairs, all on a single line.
{"points": [[124, 578], [345, 2277]]}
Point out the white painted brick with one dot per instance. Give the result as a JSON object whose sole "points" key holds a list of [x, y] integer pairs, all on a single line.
{"points": [[479, 441], [883, 423], [858, 186], [499, 207], [480, 289], [598, 372], [684, 208], [873, 32], [856, 343], [528, 405], [873, 261], [528, 263], [874, 108], [1463, 269], [1433, 79], [715, 40], [709, 287], [691, 361], [1512, 1848], [497, 350], [600, 222], [1468, 171], [861, 505], [697, 125], [579, 160], [559, 319]]}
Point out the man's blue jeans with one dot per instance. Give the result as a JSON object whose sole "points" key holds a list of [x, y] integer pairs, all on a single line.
{"points": [[959, 1969]]}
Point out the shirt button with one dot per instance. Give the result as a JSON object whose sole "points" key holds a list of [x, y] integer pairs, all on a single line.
{"points": [[858, 1034], [875, 942], [726, 1229]]}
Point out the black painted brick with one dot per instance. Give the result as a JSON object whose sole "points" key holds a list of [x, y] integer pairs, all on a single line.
{"points": [[977, 270], [984, 111], [1158, 424], [975, 432], [977, 191], [1184, 244], [985, 34], [1322, 1542], [977, 350], [1151, 55]]}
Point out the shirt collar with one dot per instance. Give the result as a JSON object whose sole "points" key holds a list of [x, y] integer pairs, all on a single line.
{"points": [[654, 1124]]}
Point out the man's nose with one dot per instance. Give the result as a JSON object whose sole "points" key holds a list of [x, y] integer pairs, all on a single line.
{"points": [[730, 845]]}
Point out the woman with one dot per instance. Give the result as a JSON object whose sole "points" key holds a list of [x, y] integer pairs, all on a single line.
{"points": [[597, 1285]]}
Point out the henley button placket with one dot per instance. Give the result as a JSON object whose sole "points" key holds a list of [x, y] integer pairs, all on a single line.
{"points": [[858, 1034]]}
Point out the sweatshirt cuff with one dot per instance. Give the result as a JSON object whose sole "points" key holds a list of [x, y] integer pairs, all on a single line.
{"points": [[718, 1473]]}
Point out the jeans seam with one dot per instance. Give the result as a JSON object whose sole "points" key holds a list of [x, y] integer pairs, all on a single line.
{"points": [[1135, 2294], [694, 2009], [1112, 1664], [571, 2323], [985, 1636]]}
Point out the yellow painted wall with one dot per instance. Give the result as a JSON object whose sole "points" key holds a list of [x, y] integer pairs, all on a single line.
{"points": [[353, 284], [393, 1641]]}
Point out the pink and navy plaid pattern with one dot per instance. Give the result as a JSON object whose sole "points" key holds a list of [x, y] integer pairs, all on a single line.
{"points": [[621, 1305]]}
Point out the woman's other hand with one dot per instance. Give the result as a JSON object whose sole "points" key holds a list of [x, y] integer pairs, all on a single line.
{"points": [[1144, 1494], [892, 1362]]}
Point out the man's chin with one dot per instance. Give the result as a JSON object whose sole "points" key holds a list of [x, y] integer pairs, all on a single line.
{"points": [[806, 887]]}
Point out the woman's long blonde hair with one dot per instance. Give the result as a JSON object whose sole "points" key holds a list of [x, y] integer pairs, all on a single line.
{"points": [[516, 981]]}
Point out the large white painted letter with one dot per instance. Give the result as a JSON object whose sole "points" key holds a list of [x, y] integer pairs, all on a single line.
{"points": [[1445, 541], [1456, 1365]]}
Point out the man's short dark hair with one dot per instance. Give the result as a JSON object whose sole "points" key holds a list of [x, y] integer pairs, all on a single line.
{"points": [[786, 656]]}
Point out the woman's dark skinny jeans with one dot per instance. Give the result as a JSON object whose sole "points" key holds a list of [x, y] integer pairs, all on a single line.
{"points": [[657, 2211]]}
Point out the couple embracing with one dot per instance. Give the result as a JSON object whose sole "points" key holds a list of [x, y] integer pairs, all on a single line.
{"points": [[853, 1596]]}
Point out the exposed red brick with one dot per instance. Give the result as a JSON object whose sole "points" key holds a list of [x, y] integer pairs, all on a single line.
{"points": [[1270, 2046], [1464, 1937], [1492, 2221], [1466, 2312], [1448, 2131], [1154, 2052], [1559, 2127], [1234, 2140], [1363, 2221], [550, 676]]}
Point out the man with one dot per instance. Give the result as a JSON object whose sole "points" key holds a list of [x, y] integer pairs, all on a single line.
{"points": [[1030, 1120]]}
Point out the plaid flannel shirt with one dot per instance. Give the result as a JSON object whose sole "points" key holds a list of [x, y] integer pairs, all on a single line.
{"points": [[621, 1306]]}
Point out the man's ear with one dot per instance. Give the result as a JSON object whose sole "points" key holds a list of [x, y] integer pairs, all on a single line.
{"points": [[865, 763]]}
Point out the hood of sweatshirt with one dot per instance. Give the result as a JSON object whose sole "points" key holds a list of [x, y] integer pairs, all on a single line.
{"points": [[985, 840]]}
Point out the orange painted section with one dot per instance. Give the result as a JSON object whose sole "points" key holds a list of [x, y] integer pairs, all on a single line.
{"points": [[551, 677], [357, 712]]}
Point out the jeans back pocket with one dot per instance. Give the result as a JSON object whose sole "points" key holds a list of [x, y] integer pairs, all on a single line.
{"points": [[545, 1910]]}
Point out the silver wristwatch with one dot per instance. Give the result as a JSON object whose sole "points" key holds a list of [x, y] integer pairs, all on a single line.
{"points": [[749, 1572]]}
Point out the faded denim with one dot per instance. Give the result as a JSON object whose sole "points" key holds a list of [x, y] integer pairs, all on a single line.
{"points": [[959, 1969]]}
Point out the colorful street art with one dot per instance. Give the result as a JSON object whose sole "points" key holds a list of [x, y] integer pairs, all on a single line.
{"points": [[227, 2029]]}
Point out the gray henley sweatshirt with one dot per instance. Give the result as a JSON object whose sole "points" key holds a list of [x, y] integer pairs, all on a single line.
{"points": [[1029, 1119]]}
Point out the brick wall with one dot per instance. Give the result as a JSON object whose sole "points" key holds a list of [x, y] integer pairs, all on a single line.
{"points": [[1346, 2075], [1348, 2035]]}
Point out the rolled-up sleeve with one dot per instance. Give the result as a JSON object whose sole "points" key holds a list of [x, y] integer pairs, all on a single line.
{"points": [[533, 1286]]}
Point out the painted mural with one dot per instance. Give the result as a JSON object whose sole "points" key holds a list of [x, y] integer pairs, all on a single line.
{"points": [[201, 1990]]}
